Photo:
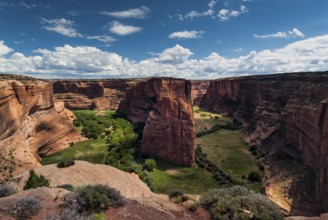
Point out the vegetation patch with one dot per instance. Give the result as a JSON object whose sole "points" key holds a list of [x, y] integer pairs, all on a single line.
{"points": [[93, 199], [239, 203], [35, 181], [226, 149], [25, 208], [192, 180]]}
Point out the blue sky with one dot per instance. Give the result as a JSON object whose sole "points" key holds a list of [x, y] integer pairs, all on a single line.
{"points": [[179, 38]]}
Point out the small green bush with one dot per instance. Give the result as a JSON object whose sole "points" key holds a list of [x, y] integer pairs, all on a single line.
{"points": [[203, 115], [149, 164], [35, 181], [231, 203], [93, 199], [252, 148], [176, 193], [6, 190], [25, 208], [254, 176], [65, 163], [197, 111]]}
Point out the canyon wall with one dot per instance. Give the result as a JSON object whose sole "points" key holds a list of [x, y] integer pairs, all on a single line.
{"points": [[198, 90], [31, 122], [282, 114], [164, 106], [102, 94]]}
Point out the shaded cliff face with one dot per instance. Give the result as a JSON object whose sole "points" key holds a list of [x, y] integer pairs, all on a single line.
{"points": [[164, 106], [30, 123], [198, 90], [284, 114], [90, 94]]}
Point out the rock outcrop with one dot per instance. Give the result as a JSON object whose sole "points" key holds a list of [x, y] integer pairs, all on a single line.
{"points": [[102, 94], [164, 106], [198, 90], [284, 115], [141, 202], [30, 123]]}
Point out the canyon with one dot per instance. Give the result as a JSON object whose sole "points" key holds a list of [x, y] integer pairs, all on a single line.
{"points": [[163, 106], [285, 115], [33, 123]]}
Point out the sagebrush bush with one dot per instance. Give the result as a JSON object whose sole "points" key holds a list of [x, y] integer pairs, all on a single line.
{"points": [[6, 190], [93, 199], [25, 208], [66, 214], [65, 163], [176, 193], [35, 181], [239, 203]]}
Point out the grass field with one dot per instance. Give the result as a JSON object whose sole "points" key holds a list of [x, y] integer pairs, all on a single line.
{"points": [[93, 151], [226, 148], [207, 119], [192, 180]]}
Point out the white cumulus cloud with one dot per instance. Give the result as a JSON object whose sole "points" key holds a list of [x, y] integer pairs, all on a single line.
{"points": [[90, 62], [4, 49], [294, 33], [61, 26], [140, 13], [121, 29], [186, 34]]}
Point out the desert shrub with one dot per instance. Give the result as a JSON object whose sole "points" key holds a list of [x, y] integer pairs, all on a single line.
{"points": [[252, 148], [66, 214], [68, 187], [254, 176], [93, 199], [176, 193], [35, 181], [25, 208], [239, 203], [193, 206], [203, 115], [197, 111], [149, 164], [65, 163], [6, 190]]}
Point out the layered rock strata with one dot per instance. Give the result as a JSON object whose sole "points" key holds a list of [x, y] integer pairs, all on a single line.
{"points": [[284, 114], [30, 122], [103, 94], [164, 106]]}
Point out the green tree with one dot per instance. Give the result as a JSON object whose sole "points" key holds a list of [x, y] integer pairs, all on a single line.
{"points": [[149, 164], [254, 176], [35, 181]]}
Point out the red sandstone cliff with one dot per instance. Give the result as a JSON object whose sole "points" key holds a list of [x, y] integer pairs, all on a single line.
{"points": [[29, 122], [100, 94], [198, 90], [164, 106], [283, 114]]}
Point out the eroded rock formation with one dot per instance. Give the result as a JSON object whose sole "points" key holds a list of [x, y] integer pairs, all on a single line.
{"points": [[198, 90], [164, 106], [30, 122], [100, 94], [284, 114]]}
